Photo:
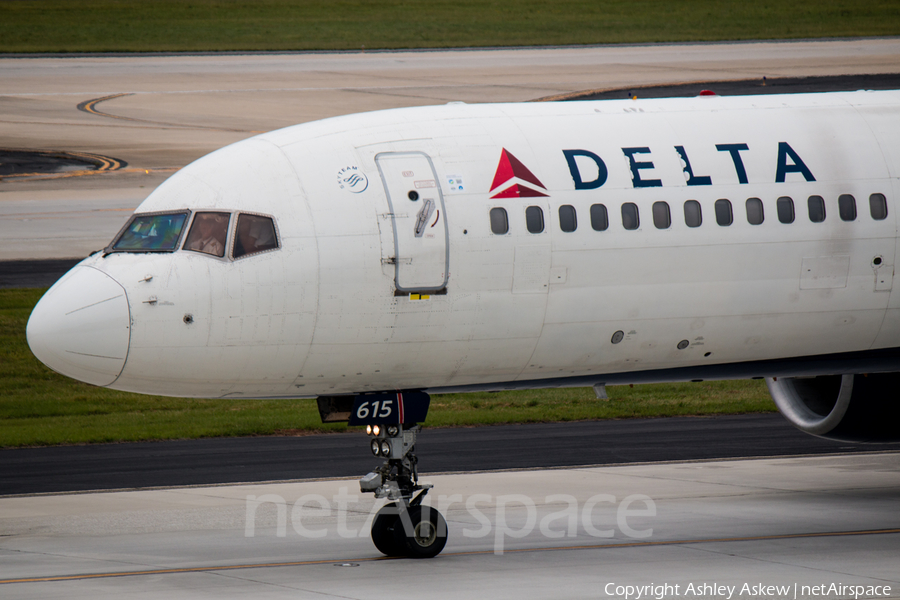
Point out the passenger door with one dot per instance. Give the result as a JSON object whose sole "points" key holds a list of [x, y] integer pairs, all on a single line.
{"points": [[418, 219]]}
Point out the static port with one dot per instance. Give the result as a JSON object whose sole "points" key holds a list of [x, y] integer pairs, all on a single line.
{"points": [[413, 195]]}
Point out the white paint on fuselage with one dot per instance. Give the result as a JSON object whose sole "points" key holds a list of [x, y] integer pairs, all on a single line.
{"points": [[320, 315]]}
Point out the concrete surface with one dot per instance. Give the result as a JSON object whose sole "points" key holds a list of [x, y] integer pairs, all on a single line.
{"points": [[170, 110], [804, 521], [63, 223]]}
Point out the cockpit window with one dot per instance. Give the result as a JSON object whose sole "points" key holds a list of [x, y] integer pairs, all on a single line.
{"points": [[255, 233], [208, 233], [151, 233]]}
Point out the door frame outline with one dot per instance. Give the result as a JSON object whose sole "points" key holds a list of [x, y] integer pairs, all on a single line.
{"points": [[440, 194]]}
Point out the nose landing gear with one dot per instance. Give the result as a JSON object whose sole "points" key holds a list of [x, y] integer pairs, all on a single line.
{"points": [[405, 526]]}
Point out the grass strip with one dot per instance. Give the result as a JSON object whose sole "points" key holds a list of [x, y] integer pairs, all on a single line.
{"points": [[39, 407], [218, 25]]}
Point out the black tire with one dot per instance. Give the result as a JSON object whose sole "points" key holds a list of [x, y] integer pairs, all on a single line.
{"points": [[383, 531], [424, 534]]}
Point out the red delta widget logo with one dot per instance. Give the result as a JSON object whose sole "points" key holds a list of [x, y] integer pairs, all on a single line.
{"points": [[514, 180]]}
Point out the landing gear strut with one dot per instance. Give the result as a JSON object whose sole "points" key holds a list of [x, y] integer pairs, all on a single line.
{"points": [[404, 526]]}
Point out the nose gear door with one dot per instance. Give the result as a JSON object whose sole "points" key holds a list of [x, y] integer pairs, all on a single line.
{"points": [[419, 221]]}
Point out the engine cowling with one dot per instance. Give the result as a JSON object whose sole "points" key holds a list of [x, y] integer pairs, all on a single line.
{"points": [[850, 408]]}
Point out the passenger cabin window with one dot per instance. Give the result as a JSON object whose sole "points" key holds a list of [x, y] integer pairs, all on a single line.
{"points": [[662, 218], [630, 217], [878, 206], [534, 219], [816, 206], [151, 233], [208, 233], [693, 217], [784, 206], [567, 220], [599, 217], [847, 207], [254, 234], [724, 216], [755, 212], [499, 221]]}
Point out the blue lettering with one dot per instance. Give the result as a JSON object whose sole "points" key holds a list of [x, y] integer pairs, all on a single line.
{"points": [[580, 184], [637, 166], [691, 179], [785, 151], [735, 151]]}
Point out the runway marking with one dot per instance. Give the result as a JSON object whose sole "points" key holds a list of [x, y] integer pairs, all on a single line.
{"points": [[88, 107], [63, 175], [304, 563], [103, 164]]}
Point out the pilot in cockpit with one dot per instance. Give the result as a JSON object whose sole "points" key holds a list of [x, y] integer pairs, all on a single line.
{"points": [[208, 234]]}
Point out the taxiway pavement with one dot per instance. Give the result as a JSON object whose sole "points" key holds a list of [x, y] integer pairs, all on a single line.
{"points": [[775, 521], [158, 113], [566, 533], [519, 446]]}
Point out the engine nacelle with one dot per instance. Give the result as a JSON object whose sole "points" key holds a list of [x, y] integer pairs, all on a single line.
{"points": [[851, 408]]}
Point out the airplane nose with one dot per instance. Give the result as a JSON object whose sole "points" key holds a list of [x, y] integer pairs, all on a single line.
{"points": [[82, 326]]}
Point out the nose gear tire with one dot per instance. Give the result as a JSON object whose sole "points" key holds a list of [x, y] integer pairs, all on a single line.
{"points": [[424, 535], [384, 535]]}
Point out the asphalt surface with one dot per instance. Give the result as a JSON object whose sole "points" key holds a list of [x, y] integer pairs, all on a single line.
{"points": [[13, 162], [34, 273], [237, 460], [761, 85]]}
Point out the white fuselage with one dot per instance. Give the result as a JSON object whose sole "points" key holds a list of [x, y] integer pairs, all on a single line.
{"points": [[372, 290]]}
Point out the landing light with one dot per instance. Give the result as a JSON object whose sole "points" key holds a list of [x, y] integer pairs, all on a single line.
{"points": [[376, 448], [385, 448]]}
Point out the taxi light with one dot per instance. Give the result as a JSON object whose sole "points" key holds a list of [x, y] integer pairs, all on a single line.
{"points": [[376, 430], [368, 430], [393, 430]]}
